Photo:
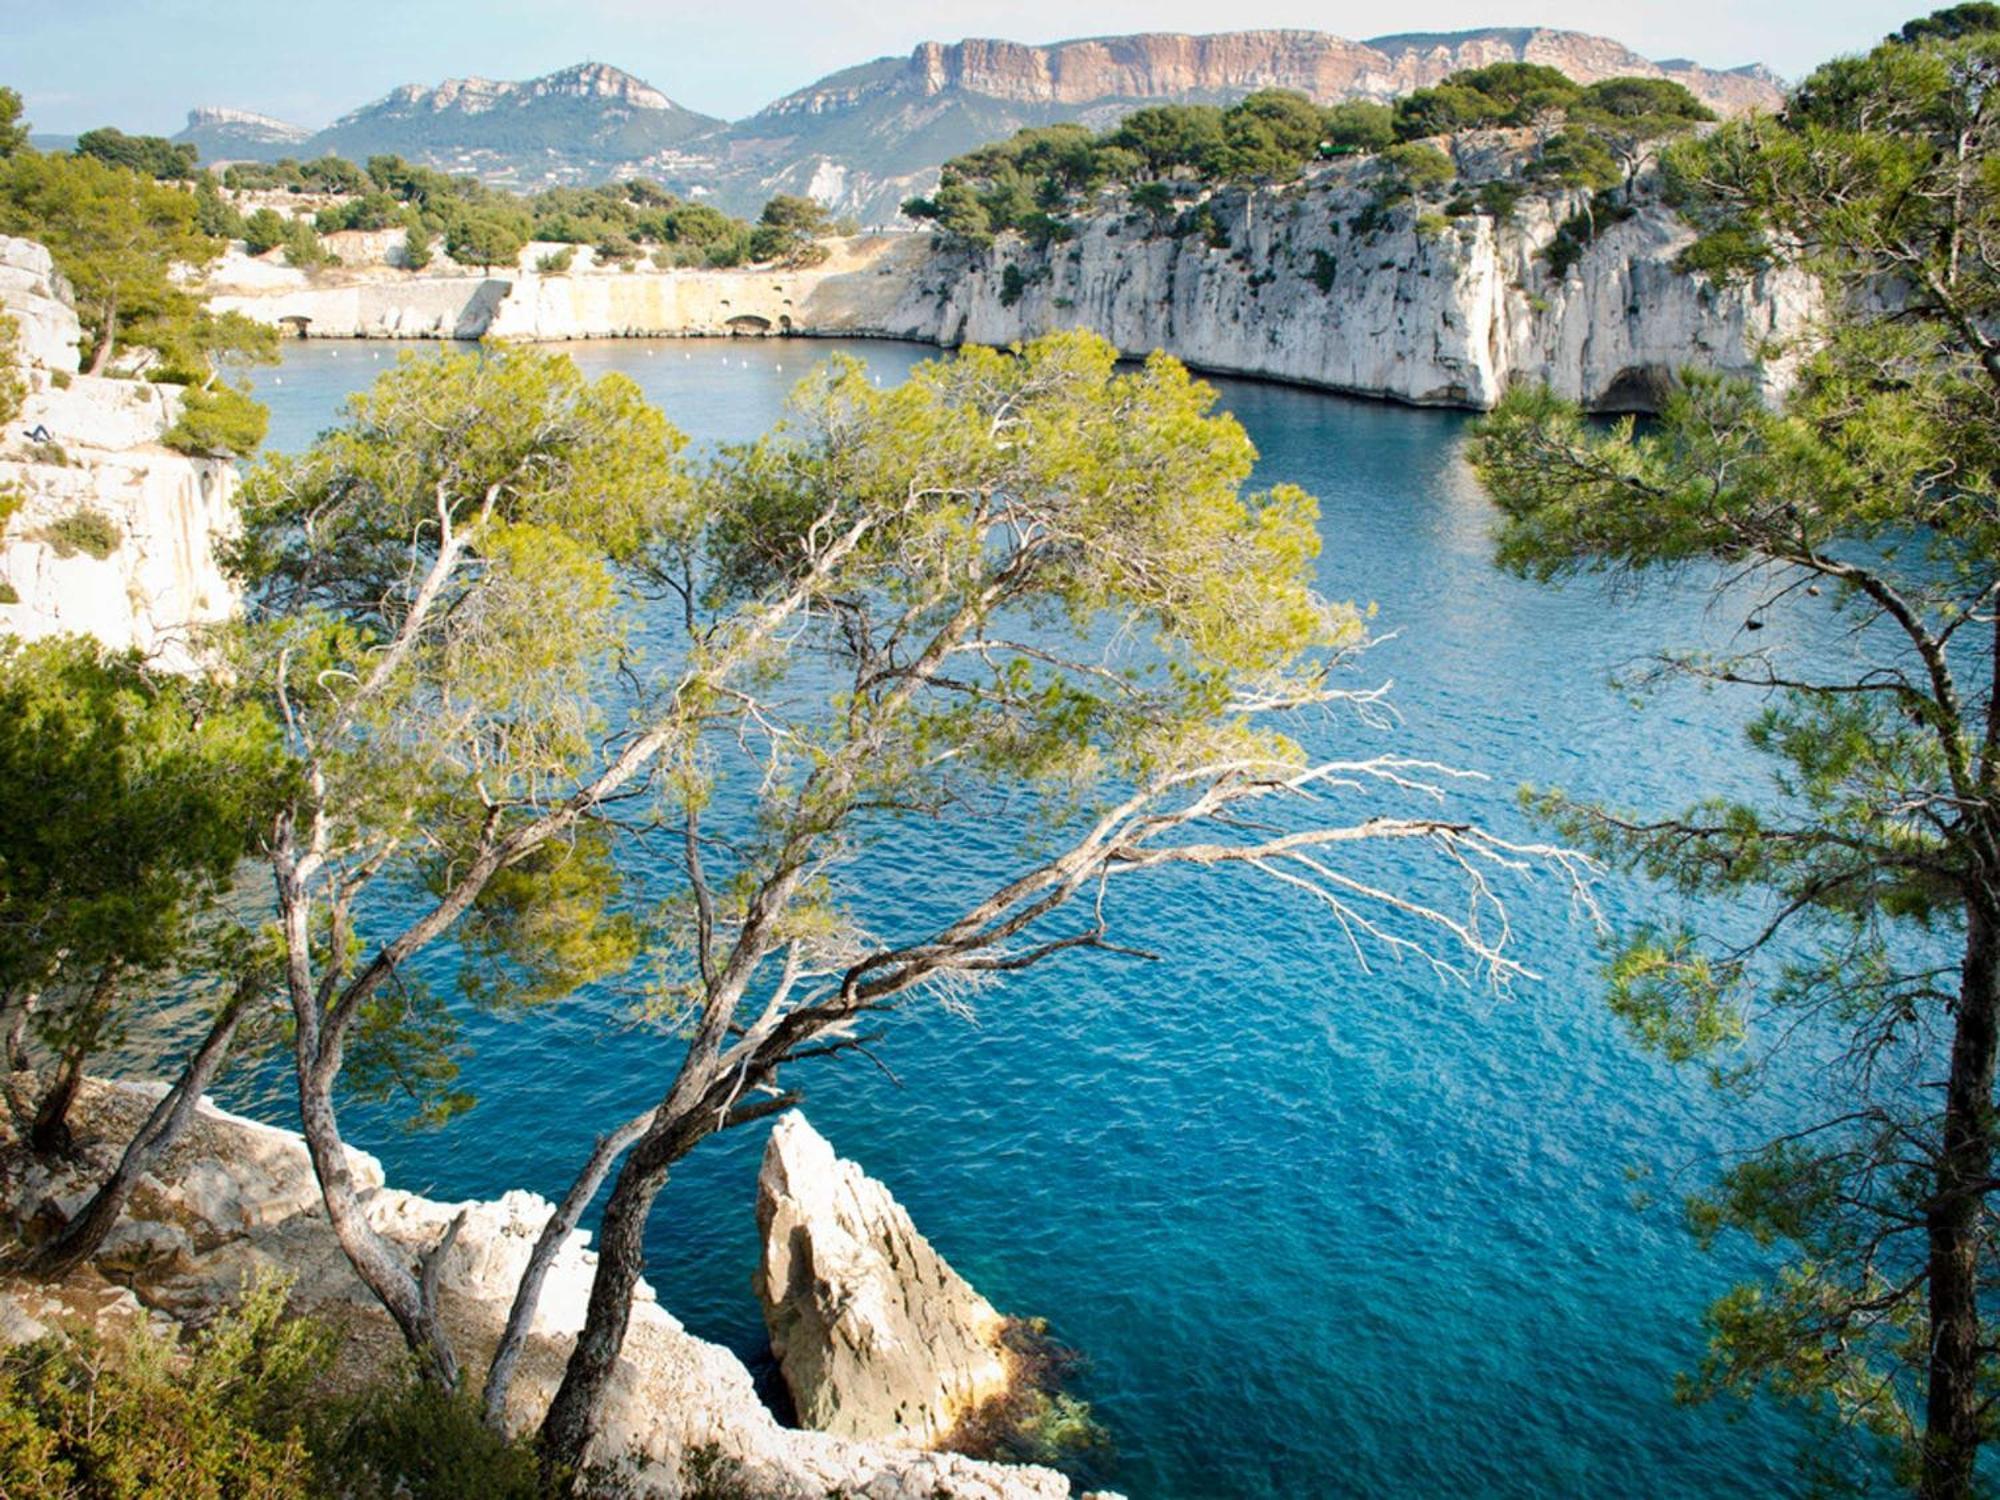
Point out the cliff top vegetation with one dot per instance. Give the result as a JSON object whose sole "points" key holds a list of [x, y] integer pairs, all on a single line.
{"points": [[1584, 136]]}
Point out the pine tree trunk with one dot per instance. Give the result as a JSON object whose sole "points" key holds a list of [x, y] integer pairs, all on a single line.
{"points": [[528, 1294], [102, 356], [81, 1237], [50, 1135], [405, 1293], [573, 1415], [1953, 1399]]}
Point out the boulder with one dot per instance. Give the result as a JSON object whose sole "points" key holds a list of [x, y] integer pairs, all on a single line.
{"points": [[235, 1199], [877, 1336]]}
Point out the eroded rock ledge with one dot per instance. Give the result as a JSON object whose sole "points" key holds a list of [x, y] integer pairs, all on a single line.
{"points": [[237, 1198]]}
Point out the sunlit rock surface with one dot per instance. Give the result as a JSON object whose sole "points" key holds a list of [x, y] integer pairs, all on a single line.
{"points": [[236, 1198], [87, 445]]}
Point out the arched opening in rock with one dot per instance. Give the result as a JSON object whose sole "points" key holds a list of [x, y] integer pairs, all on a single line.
{"points": [[295, 324], [749, 323], [1637, 388]]}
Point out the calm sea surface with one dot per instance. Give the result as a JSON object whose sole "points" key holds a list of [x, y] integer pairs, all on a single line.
{"points": [[1318, 1230]]}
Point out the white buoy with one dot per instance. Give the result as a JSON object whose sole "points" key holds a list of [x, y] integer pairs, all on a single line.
{"points": [[279, 379]]}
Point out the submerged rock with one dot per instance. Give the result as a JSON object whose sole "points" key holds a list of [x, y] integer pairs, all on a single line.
{"points": [[877, 1336]]}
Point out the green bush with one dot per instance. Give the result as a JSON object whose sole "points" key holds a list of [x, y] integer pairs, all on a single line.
{"points": [[556, 261], [1012, 284], [1324, 268], [413, 1441], [1430, 226], [240, 1411], [90, 532], [85, 1417], [217, 421], [13, 390]]}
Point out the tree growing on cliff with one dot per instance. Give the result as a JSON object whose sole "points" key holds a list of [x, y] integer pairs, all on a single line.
{"points": [[1873, 497], [129, 801], [1022, 591], [123, 242], [1017, 591], [436, 617], [13, 129]]}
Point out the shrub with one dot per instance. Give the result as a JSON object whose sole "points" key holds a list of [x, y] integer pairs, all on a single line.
{"points": [[1012, 284], [1499, 198], [135, 1417], [1430, 226], [412, 1441], [556, 261], [13, 390], [217, 421], [1324, 268], [1419, 167], [90, 532]]}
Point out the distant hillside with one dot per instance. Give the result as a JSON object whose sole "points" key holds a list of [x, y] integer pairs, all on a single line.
{"points": [[863, 139], [866, 138], [238, 135]]}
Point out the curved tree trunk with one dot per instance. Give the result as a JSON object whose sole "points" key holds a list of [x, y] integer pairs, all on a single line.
{"points": [[1953, 1399], [573, 1415], [528, 1294], [81, 1237], [409, 1294], [49, 1135]]}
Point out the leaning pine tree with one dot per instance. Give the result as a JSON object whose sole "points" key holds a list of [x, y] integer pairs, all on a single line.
{"points": [[1873, 871], [1020, 595]]}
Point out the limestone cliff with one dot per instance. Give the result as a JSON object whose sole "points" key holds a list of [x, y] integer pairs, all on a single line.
{"points": [[101, 460], [877, 1336], [236, 1198], [1297, 285], [1302, 283]]}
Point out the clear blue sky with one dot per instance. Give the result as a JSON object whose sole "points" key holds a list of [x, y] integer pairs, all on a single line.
{"points": [[140, 64]]}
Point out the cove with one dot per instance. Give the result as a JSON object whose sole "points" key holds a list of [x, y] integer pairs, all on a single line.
{"points": [[1319, 1228]]}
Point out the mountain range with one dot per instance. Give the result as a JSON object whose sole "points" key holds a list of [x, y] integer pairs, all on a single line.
{"points": [[863, 139]]}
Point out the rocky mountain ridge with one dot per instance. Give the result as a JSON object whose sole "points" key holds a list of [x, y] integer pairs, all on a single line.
{"points": [[864, 138]]}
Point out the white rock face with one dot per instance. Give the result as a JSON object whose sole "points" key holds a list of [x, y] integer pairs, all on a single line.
{"points": [[1297, 293], [236, 1198], [877, 1336], [1439, 319], [162, 580]]}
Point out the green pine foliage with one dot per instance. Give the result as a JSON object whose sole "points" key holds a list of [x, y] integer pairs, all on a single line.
{"points": [[1851, 913], [1273, 135]]}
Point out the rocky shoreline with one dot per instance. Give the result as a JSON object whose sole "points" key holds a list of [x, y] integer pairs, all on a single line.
{"points": [[1298, 283], [237, 1198]]}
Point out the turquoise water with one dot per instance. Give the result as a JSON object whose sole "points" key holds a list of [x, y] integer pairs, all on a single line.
{"points": [[1317, 1230]]}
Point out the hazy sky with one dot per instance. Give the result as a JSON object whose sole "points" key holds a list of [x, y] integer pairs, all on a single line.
{"points": [[141, 63]]}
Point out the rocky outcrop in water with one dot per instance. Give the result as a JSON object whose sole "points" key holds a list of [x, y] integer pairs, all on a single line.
{"points": [[143, 573], [877, 1336], [235, 1198]]}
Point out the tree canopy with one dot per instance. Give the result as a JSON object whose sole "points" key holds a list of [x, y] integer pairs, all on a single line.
{"points": [[1032, 180], [1859, 903]]}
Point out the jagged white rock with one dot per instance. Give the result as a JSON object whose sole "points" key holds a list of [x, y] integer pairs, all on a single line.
{"points": [[103, 454], [1299, 283], [236, 1198], [877, 1336]]}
